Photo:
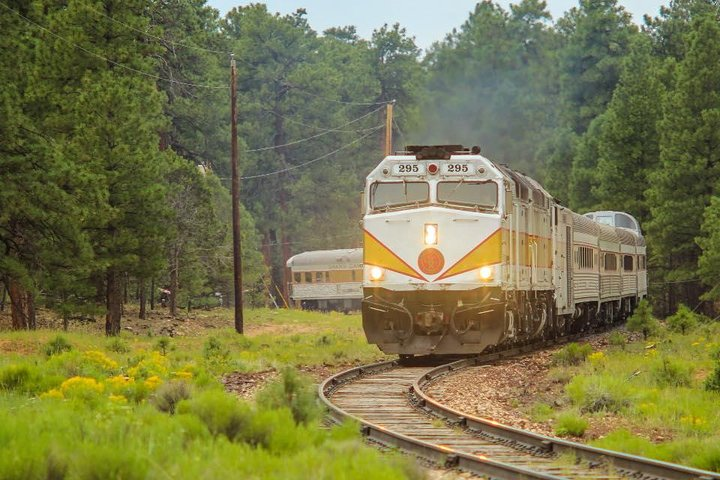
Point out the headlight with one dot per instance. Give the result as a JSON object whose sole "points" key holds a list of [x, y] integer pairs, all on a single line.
{"points": [[431, 234], [486, 273], [376, 273]]}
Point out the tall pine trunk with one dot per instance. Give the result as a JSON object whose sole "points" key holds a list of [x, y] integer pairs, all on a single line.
{"points": [[174, 282], [152, 294], [22, 306], [114, 303], [142, 298]]}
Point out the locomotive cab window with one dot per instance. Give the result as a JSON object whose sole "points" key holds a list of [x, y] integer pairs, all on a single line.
{"points": [[628, 263], [398, 194], [470, 194]]}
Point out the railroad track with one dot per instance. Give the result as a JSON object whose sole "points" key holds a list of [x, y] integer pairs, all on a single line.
{"points": [[388, 401]]}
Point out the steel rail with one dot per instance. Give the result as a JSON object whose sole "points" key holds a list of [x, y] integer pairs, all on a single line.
{"points": [[442, 455], [630, 464], [520, 440]]}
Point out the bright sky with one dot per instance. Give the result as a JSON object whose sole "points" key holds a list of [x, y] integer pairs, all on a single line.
{"points": [[427, 20]]}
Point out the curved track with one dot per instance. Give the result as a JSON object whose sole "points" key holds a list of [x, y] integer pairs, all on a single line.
{"points": [[388, 401]]}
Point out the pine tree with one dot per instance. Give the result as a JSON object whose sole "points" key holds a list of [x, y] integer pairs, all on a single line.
{"points": [[628, 143], [689, 160]]}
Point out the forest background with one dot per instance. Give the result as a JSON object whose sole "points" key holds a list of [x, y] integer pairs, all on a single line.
{"points": [[115, 137]]}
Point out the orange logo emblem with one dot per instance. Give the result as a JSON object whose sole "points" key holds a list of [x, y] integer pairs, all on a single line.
{"points": [[431, 261]]}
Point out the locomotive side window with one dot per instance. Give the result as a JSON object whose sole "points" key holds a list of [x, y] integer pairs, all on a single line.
{"points": [[628, 263], [610, 262], [624, 221], [604, 219], [473, 194], [398, 194]]}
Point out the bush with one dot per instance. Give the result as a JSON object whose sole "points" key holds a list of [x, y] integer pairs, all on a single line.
{"points": [[671, 373], [221, 413], [599, 393], [642, 320], [169, 394], [162, 345], [293, 392], [712, 383], [57, 345], [683, 320], [14, 377], [617, 339], [570, 424], [572, 354], [117, 345]]}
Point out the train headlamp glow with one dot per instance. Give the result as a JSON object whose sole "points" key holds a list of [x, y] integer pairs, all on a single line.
{"points": [[486, 273], [376, 273], [431, 234]]}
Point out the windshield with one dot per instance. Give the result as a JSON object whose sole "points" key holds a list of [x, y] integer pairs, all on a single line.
{"points": [[474, 194], [395, 194]]}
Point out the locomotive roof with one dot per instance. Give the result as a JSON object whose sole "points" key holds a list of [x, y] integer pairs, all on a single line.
{"points": [[323, 258]]}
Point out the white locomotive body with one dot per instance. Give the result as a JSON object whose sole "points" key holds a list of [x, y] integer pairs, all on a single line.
{"points": [[461, 254]]}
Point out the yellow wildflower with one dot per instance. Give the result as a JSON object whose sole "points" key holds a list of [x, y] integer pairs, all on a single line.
{"points": [[119, 399], [153, 382], [54, 393], [100, 359], [81, 387], [185, 375]]}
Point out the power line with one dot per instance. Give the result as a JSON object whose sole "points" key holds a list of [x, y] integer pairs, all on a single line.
{"points": [[294, 167], [332, 100], [316, 127], [295, 142], [117, 64]]}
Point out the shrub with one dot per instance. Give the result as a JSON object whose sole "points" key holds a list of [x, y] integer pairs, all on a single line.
{"points": [[14, 377], [221, 413], [572, 354], [712, 383], [541, 412], [217, 357], [671, 373], [599, 393], [57, 345], [169, 395], [163, 345], [117, 345], [617, 339], [683, 320], [570, 424], [642, 320], [293, 392]]}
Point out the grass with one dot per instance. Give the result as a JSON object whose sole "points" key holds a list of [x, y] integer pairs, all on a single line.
{"points": [[146, 407], [661, 387]]}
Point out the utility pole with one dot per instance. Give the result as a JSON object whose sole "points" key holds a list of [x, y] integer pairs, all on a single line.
{"points": [[237, 251], [388, 127]]}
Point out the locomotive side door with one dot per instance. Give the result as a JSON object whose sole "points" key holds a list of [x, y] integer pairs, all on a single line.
{"points": [[562, 260]]}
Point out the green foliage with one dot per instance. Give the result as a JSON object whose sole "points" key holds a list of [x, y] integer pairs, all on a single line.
{"points": [[57, 345], [683, 321], [163, 345], [712, 383], [572, 354], [169, 394], [599, 393], [14, 377], [669, 372], [642, 320], [569, 424], [221, 413], [293, 392], [118, 345], [617, 339]]}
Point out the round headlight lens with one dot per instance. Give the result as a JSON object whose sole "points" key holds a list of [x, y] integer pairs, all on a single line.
{"points": [[486, 273], [376, 273]]}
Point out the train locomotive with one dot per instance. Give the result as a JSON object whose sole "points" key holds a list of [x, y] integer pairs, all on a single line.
{"points": [[462, 254]]}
